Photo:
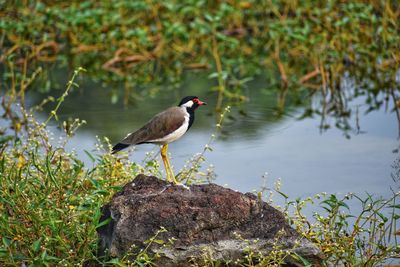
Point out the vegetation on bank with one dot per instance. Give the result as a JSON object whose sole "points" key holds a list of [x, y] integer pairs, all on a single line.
{"points": [[305, 44]]}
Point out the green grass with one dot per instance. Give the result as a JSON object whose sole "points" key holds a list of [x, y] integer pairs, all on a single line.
{"points": [[348, 238], [50, 203]]}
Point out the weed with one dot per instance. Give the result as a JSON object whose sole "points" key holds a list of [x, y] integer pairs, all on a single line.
{"points": [[193, 173], [49, 202]]}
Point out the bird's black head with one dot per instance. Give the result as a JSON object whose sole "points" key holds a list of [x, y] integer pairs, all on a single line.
{"points": [[191, 102]]}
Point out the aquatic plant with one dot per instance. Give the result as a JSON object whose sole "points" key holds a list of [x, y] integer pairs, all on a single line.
{"points": [[306, 43]]}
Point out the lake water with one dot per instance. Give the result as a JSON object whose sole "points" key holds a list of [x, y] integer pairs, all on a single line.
{"points": [[255, 140]]}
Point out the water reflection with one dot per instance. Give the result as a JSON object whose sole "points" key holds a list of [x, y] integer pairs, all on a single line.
{"points": [[258, 136]]}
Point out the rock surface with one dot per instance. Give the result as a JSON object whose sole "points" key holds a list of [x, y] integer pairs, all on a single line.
{"points": [[202, 218]]}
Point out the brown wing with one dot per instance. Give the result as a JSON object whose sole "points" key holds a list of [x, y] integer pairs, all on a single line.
{"points": [[159, 126]]}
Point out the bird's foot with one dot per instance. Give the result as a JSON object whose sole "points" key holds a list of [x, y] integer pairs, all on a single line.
{"points": [[179, 184], [183, 185]]}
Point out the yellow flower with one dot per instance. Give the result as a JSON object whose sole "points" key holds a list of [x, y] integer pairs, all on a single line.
{"points": [[21, 161]]}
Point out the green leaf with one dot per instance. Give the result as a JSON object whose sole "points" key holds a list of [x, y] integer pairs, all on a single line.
{"points": [[102, 223], [213, 75], [44, 255], [343, 204], [116, 262], [36, 245], [5, 139], [18, 256], [89, 155], [305, 262], [383, 217], [282, 194], [159, 241], [116, 187], [208, 17], [6, 242]]}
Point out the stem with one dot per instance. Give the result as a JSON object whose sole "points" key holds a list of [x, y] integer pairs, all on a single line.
{"points": [[196, 163], [395, 101], [61, 99], [217, 59]]}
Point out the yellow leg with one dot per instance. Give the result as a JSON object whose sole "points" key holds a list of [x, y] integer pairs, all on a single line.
{"points": [[171, 173], [164, 152], [168, 170]]}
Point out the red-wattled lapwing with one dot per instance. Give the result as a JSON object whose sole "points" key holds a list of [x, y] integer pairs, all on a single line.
{"points": [[164, 128]]}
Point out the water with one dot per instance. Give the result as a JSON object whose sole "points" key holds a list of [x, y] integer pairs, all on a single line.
{"points": [[256, 139]]}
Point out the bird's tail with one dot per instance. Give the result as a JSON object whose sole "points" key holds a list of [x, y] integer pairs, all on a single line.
{"points": [[118, 147]]}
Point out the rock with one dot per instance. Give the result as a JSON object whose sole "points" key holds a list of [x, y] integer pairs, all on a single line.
{"points": [[204, 217]]}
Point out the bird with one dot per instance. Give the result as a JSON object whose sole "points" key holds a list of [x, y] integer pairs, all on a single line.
{"points": [[164, 128]]}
